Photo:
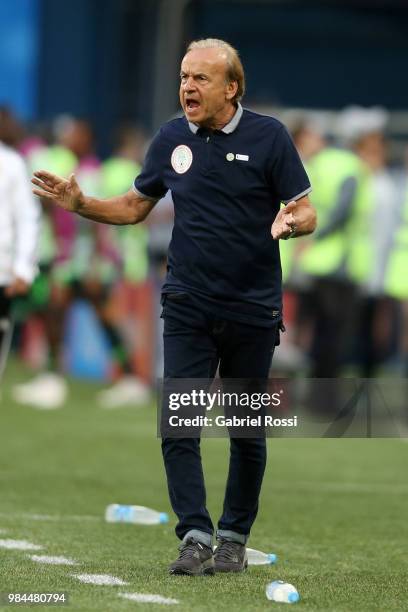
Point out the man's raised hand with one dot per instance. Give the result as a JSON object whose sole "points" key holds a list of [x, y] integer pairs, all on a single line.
{"points": [[298, 218], [283, 225], [65, 193]]}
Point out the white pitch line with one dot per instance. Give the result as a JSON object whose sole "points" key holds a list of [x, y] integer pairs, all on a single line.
{"points": [[149, 598], [27, 516], [100, 579], [52, 560], [19, 545]]}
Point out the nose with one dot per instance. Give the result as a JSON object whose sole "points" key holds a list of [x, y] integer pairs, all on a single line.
{"points": [[189, 84]]}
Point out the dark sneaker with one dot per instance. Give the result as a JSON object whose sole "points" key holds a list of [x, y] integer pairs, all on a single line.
{"points": [[230, 556], [195, 559]]}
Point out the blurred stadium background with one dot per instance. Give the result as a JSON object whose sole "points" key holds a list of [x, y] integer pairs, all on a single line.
{"points": [[83, 86], [96, 79]]}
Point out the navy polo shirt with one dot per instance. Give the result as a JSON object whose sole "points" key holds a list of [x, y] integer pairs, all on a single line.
{"points": [[227, 187]]}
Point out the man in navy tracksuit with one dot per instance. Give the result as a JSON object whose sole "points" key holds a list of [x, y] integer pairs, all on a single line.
{"points": [[228, 170]]}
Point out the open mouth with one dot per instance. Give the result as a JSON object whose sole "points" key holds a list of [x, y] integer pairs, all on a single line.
{"points": [[192, 105]]}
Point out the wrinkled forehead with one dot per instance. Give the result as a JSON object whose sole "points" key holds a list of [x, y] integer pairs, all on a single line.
{"points": [[208, 61]]}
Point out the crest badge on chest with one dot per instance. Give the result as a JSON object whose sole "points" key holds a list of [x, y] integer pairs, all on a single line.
{"points": [[181, 159]]}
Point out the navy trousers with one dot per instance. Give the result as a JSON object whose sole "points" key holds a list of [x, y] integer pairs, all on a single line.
{"points": [[195, 344]]}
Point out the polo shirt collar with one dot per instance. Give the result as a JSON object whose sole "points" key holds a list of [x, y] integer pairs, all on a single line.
{"points": [[227, 129]]}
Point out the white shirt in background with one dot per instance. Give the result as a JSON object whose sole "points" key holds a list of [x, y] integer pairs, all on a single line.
{"points": [[19, 220]]}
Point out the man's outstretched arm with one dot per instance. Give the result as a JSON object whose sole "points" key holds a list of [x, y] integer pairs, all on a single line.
{"points": [[125, 209], [298, 218]]}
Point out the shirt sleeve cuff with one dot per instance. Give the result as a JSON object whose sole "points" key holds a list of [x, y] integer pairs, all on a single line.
{"points": [[298, 196], [143, 195]]}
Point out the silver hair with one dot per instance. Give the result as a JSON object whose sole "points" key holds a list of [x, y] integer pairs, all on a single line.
{"points": [[235, 70]]}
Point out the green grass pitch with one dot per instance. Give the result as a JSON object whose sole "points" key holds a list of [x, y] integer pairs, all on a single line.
{"points": [[334, 511]]}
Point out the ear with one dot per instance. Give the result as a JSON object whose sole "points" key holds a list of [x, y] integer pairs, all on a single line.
{"points": [[231, 90]]}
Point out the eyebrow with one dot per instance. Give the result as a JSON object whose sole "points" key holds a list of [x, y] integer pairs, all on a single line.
{"points": [[194, 75]]}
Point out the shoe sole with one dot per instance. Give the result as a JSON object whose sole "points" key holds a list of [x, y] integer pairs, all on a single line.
{"points": [[236, 570], [205, 570], [209, 571]]}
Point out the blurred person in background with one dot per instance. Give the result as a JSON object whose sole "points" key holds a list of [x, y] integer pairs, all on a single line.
{"points": [[395, 276], [80, 259], [117, 173], [335, 258], [293, 357], [105, 255], [222, 295], [11, 129], [19, 223], [363, 130], [50, 295]]}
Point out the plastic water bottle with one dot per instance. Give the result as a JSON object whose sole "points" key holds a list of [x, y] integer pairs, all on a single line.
{"points": [[282, 592], [119, 513], [256, 557]]}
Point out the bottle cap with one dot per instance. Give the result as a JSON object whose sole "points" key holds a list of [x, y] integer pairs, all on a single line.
{"points": [[293, 597], [272, 558], [164, 517]]}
